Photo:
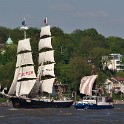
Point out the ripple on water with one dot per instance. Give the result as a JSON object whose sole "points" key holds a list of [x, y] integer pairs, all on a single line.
{"points": [[13, 109]]}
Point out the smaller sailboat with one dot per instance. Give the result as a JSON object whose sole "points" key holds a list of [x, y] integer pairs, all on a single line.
{"points": [[91, 101], [27, 90]]}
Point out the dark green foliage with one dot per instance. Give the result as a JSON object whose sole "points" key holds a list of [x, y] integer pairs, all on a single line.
{"points": [[9, 55], [56, 31], [3, 34], [78, 68], [3, 99], [118, 96], [7, 73], [116, 44], [75, 54]]}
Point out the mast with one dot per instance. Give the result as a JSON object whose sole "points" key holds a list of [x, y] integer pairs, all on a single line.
{"points": [[24, 28], [46, 60], [24, 78]]}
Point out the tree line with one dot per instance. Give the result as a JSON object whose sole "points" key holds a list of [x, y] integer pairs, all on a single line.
{"points": [[76, 54]]}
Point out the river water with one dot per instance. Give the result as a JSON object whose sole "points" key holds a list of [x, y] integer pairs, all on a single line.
{"points": [[9, 115]]}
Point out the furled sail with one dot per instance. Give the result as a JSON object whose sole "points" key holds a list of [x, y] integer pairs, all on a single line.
{"points": [[45, 43], [24, 78], [87, 84], [47, 85], [45, 31]]}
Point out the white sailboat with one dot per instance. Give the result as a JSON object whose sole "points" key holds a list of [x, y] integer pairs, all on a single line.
{"points": [[25, 81], [91, 101]]}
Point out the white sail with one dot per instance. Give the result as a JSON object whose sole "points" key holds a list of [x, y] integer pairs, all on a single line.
{"points": [[24, 87], [45, 31], [13, 85], [48, 70], [24, 59], [26, 72], [46, 60], [45, 43], [47, 85], [47, 56], [87, 84], [24, 45]]}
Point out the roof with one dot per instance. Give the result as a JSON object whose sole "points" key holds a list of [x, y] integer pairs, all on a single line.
{"points": [[120, 79], [9, 41], [114, 80], [117, 80]]}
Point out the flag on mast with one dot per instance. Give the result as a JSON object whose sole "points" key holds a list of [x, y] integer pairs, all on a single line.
{"points": [[46, 21], [24, 22], [24, 26]]}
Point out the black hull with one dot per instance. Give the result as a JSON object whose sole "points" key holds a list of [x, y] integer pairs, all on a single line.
{"points": [[23, 103]]}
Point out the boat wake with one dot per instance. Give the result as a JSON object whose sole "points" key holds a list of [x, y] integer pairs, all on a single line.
{"points": [[13, 109]]}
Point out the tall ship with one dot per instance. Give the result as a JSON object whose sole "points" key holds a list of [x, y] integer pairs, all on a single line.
{"points": [[31, 90], [92, 101]]}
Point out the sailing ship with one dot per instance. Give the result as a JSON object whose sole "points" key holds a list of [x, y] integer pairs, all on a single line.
{"points": [[91, 101], [27, 90]]}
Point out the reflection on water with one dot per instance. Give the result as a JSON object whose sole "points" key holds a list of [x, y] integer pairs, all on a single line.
{"points": [[61, 116]]}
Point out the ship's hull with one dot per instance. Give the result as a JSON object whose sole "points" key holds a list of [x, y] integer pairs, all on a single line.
{"points": [[25, 103], [92, 106]]}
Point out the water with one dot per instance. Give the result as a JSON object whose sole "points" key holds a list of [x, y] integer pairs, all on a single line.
{"points": [[61, 116]]}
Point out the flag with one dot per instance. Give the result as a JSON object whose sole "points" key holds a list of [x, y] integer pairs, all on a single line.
{"points": [[45, 21], [24, 23]]}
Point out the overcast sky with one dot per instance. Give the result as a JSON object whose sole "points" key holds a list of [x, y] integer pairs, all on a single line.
{"points": [[106, 16]]}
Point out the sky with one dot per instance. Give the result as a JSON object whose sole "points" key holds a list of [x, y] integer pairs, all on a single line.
{"points": [[106, 16]]}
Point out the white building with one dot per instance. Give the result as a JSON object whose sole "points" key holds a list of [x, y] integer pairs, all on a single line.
{"points": [[113, 62], [114, 85]]}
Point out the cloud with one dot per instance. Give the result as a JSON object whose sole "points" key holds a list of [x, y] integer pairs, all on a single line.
{"points": [[62, 8], [91, 14], [78, 12], [117, 21]]}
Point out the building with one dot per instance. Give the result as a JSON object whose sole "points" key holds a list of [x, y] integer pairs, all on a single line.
{"points": [[9, 41], [114, 85], [113, 62]]}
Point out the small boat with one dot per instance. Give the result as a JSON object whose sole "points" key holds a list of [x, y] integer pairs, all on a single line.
{"points": [[92, 101], [30, 90]]}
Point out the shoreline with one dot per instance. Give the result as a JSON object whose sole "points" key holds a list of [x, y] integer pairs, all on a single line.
{"points": [[118, 101], [5, 104]]}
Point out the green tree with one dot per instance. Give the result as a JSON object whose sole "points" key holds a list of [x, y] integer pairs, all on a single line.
{"points": [[56, 31], [9, 55], [78, 68], [96, 55]]}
